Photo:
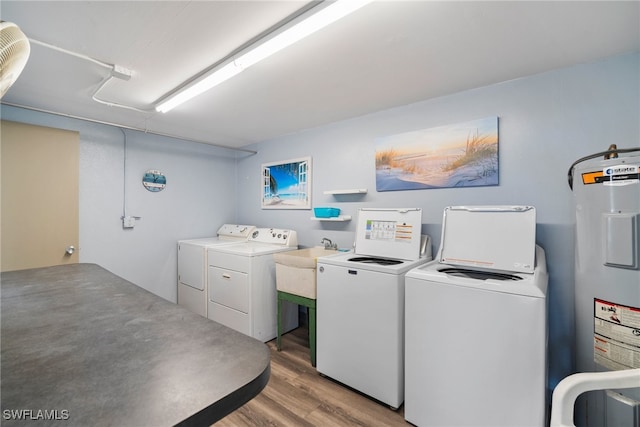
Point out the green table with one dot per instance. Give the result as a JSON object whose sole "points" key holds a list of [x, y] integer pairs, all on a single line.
{"points": [[311, 307]]}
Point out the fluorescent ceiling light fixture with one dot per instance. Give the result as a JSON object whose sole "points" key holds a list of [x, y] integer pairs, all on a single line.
{"points": [[336, 10], [204, 85]]}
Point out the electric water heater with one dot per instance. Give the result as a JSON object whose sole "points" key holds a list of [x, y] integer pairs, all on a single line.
{"points": [[606, 189]]}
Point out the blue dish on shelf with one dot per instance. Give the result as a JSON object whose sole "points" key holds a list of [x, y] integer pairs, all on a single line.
{"points": [[326, 212]]}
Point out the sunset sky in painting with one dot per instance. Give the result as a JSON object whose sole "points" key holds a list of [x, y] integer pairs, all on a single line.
{"points": [[438, 138]]}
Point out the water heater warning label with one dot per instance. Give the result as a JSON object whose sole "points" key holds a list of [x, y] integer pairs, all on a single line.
{"points": [[616, 338]]}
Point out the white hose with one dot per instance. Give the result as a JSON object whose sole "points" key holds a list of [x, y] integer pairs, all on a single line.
{"points": [[568, 390]]}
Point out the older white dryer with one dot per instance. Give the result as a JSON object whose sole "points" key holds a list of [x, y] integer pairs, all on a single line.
{"points": [[192, 265], [476, 323], [242, 284]]}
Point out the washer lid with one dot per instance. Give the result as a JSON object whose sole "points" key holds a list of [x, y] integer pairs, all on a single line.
{"points": [[389, 233], [489, 237]]}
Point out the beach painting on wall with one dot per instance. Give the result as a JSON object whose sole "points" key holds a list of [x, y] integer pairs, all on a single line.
{"points": [[459, 155], [287, 184]]}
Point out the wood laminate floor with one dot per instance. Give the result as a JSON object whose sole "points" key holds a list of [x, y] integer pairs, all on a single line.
{"points": [[297, 395]]}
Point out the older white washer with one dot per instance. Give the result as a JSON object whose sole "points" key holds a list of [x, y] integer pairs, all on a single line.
{"points": [[476, 323], [360, 304], [242, 284], [192, 265]]}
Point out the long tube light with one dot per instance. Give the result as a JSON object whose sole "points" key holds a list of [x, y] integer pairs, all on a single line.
{"points": [[315, 22]]}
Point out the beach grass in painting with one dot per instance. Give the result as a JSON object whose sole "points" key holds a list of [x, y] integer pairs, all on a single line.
{"points": [[461, 155]]}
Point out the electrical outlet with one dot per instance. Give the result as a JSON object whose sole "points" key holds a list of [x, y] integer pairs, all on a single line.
{"points": [[128, 222]]}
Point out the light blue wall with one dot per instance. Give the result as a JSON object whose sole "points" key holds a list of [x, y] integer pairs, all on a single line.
{"points": [[546, 122], [198, 198]]}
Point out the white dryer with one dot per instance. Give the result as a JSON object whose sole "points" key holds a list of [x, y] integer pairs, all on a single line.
{"points": [[360, 303], [476, 323], [192, 265], [242, 284]]}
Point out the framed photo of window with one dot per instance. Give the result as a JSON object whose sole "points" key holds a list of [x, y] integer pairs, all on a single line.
{"points": [[286, 184]]}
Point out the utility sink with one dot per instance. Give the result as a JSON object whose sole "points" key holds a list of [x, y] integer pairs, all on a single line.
{"points": [[296, 270]]}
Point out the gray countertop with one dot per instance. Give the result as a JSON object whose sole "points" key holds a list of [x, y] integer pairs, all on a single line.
{"points": [[85, 347]]}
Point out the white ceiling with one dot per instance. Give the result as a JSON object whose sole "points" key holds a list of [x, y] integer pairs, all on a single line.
{"points": [[387, 54]]}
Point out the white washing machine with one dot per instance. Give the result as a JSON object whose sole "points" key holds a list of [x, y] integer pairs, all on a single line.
{"points": [[192, 265], [360, 303], [242, 284], [476, 323]]}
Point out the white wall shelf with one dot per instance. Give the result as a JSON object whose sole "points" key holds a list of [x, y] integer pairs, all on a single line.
{"points": [[349, 191], [334, 218]]}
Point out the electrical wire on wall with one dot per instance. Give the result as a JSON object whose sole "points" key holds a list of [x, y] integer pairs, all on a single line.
{"points": [[94, 96], [124, 174], [68, 52], [115, 71], [122, 73], [127, 221]]}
